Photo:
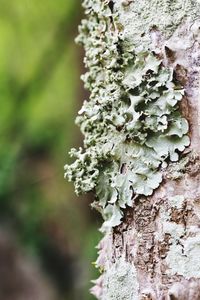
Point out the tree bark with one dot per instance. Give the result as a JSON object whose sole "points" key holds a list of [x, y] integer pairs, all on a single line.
{"points": [[154, 253]]}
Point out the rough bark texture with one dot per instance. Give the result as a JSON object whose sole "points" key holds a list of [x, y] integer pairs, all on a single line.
{"points": [[155, 252]]}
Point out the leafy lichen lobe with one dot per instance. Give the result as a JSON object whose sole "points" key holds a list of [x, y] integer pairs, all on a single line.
{"points": [[131, 125]]}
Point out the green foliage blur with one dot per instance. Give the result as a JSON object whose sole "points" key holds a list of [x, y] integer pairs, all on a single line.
{"points": [[40, 93]]}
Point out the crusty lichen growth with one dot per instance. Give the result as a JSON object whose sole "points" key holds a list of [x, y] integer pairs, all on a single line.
{"points": [[183, 255], [131, 124], [189, 164], [121, 282], [140, 17]]}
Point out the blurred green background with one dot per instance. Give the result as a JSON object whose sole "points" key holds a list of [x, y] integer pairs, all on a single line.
{"points": [[47, 234]]}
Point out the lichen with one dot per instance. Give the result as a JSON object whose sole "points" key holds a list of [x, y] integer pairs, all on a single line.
{"points": [[132, 124], [177, 201], [183, 259], [120, 282], [176, 231], [183, 255], [138, 18], [189, 164]]}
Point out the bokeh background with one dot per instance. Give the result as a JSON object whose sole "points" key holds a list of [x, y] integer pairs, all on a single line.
{"points": [[47, 234]]}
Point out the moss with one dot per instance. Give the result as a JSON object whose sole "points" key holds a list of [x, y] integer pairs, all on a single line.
{"points": [[131, 124]]}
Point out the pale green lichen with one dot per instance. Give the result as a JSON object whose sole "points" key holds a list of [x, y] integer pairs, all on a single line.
{"points": [[184, 244], [140, 17], [177, 201], [183, 258], [176, 231], [187, 164], [132, 123], [120, 282]]}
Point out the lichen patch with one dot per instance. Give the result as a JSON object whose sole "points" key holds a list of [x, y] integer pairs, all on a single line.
{"points": [[185, 259], [132, 124], [120, 282], [138, 18]]}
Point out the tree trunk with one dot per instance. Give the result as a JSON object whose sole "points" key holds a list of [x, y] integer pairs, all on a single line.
{"points": [[151, 244]]}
